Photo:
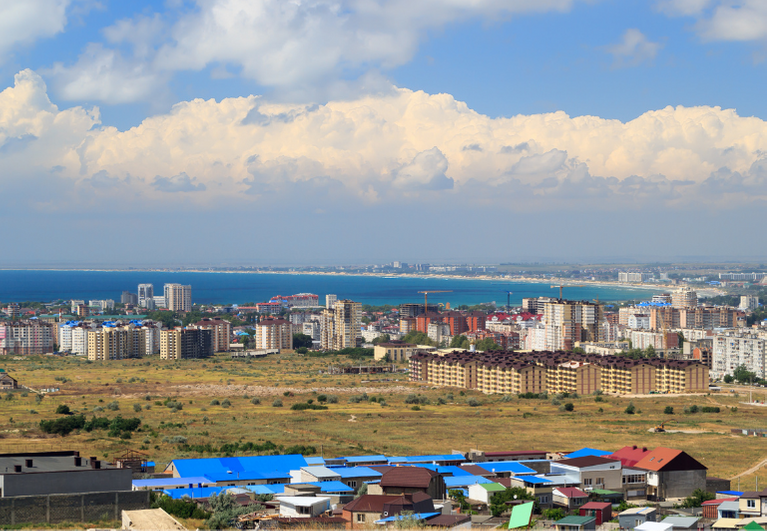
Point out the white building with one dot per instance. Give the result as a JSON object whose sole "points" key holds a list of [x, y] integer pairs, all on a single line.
{"points": [[159, 301], [146, 296], [302, 506], [178, 298], [536, 337], [102, 305], [312, 329], [438, 332], [330, 300], [684, 297], [74, 304], [748, 302], [734, 348], [639, 321]]}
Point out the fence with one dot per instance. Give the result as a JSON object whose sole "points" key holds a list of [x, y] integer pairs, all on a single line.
{"points": [[57, 508]]}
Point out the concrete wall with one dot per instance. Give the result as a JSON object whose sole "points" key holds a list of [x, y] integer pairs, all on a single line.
{"points": [[70, 481], [682, 483], [55, 508]]}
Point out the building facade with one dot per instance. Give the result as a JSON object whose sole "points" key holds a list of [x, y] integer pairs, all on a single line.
{"points": [[25, 338], [274, 333], [178, 298], [185, 343]]}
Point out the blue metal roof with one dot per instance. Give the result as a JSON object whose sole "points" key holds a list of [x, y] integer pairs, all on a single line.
{"points": [[249, 467], [160, 483], [356, 472], [427, 458], [515, 467], [195, 493], [534, 480], [418, 516], [449, 470], [315, 461], [730, 492], [366, 459], [332, 486], [277, 488], [464, 481], [587, 452]]}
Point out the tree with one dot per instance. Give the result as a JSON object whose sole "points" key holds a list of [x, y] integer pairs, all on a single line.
{"points": [[417, 338], [487, 344], [668, 410], [650, 351], [569, 406], [302, 340], [460, 497], [697, 498], [728, 378], [383, 338], [631, 409], [226, 510], [743, 375], [362, 490], [460, 342], [499, 499], [553, 514]]}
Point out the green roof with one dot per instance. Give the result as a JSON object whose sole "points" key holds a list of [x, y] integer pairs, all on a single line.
{"points": [[575, 520], [753, 526], [603, 492], [492, 487]]}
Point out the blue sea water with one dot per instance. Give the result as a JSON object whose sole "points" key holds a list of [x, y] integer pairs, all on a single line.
{"points": [[239, 288]]}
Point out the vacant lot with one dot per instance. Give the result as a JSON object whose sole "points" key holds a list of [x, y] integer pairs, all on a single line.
{"points": [[366, 414]]}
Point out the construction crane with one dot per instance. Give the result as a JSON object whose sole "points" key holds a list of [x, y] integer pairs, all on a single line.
{"points": [[508, 300], [426, 295], [561, 286]]}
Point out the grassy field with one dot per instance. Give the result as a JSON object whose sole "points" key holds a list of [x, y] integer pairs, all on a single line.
{"points": [[351, 426]]}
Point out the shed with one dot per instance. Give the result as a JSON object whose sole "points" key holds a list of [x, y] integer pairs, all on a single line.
{"points": [[484, 491], [302, 506], [576, 523], [602, 511], [682, 522], [635, 516]]}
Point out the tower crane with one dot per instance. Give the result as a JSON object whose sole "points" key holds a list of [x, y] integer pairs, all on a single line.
{"points": [[561, 286], [426, 297], [508, 300]]}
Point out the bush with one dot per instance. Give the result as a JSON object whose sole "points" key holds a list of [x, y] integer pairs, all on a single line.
{"points": [[215, 402], [631, 409], [416, 408], [63, 409], [599, 398], [176, 439], [709, 409], [411, 399], [255, 401], [63, 425], [322, 398], [137, 408], [226, 403], [691, 409], [301, 407], [113, 406], [555, 402], [473, 402], [180, 508], [668, 410], [277, 403], [332, 399], [569, 406]]}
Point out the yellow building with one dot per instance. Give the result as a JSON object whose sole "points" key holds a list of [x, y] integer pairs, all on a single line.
{"points": [[393, 351], [115, 343], [185, 343]]}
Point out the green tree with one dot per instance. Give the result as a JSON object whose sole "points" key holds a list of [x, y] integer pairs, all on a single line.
{"points": [[631, 409], [697, 498], [225, 510], [650, 352], [553, 514], [168, 319], [191, 317], [460, 497], [487, 344], [460, 341], [417, 338], [302, 340], [383, 338], [743, 375], [728, 378], [668, 410], [499, 499]]}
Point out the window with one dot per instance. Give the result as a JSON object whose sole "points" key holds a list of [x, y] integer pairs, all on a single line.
{"points": [[353, 484], [587, 481], [360, 517], [751, 504]]}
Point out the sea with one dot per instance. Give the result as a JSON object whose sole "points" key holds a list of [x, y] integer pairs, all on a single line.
{"points": [[242, 288]]}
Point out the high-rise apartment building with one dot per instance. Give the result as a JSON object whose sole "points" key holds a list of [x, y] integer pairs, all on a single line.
{"points": [[178, 298], [748, 302], [274, 333], [568, 322], [734, 348], [12, 311], [116, 343], [129, 298], [330, 300], [221, 329], [341, 326], [684, 297], [185, 343], [26, 337], [145, 295]]}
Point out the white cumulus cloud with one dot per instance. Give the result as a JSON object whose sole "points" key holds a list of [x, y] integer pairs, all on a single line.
{"points": [[22, 22], [633, 49]]}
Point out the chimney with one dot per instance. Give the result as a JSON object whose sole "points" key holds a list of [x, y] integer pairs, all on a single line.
{"points": [[635, 447], [28, 463], [644, 448], [78, 460], [95, 462]]}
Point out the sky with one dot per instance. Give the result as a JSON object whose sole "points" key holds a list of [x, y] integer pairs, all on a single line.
{"points": [[275, 132]]}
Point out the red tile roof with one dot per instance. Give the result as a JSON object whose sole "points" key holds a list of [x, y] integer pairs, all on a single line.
{"points": [[596, 505], [668, 459], [630, 455], [572, 492]]}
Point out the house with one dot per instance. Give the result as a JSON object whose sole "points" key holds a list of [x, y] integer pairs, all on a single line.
{"points": [[484, 491], [576, 523], [369, 508], [239, 471], [452, 522], [505, 469], [710, 507], [672, 473], [409, 480], [569, 497], [634, 480], [592, 471], [728, 509], [753, 504], [636, 516], [354, 477], [540, 488], [318, 473], [682, 523], [602, 511], [7, 382], [302, 506]]}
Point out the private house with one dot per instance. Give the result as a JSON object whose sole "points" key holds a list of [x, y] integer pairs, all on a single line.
{"points": [[634, 480], [602, 511], [401, 480], [710, 507], [354, 477], [576, 523], [539, 487], [309, 474], [682, 523], [593, 472], [569, 498], [482, 492], [636, 516], [239, 471], [368, 508], [302, 506], [671, 473], [753, 504], [7, 382]]}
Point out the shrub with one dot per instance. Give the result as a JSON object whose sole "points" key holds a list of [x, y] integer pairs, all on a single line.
{"points": [[98, 409], [473, 402], [63, 425], [175, 439], [555, 402], [668, 410], [215, 402], [709, 409], [691, 409], [172, 404], [63, 409], [255, 401], [180, 508], [411, 399], [226, 403], [416, 408], [277, 403], [441, 401], [631, 409], [599, 398], [507, 398], [322, 398], [137, 407], [569, 406], [301, 407], [113, 406], [332, 399]]}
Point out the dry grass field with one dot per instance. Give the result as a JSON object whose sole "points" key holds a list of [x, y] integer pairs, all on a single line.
{"points": [[387, 425]]}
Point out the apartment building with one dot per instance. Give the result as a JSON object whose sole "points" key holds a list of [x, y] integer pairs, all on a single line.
{"points": [[146, 296], [748, 303], [330, 300], [556, 372], [568, 322], [633, 276], [115, 343], [129, 298], [12, 311], [274, 333], [734, 348], [178, 298], [26, 337], [222, 332], [341, 326], [684, 297], [185, 343]]}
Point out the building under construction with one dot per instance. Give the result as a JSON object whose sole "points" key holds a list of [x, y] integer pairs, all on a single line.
{"points": [[557, 372]]}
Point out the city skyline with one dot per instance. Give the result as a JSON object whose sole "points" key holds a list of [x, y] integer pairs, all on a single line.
{"points": [[559, 130]]}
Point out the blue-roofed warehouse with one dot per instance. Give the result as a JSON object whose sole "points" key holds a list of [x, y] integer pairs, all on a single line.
{"points": [[249, 470]]}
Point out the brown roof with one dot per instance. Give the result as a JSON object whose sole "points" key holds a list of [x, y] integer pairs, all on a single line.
{"points": [[447, 520], [668, 459], [370, 503], [587, 461], [477, 470], [408, 476]]}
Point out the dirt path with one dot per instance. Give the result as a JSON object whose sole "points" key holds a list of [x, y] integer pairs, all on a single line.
{"points": [[751, 470]]}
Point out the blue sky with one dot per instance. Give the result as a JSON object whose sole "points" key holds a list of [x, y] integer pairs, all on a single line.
{"points": [[344, 109]]}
